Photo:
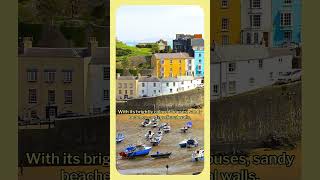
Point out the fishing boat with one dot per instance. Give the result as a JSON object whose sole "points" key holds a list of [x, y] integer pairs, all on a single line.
{"points": [[154, 124], [146, 123], [135, 150], [157, 138], [120, 137], [149, 135], [184, 129], [165, 127], [198, 155], [158, 155], [188, 143]]}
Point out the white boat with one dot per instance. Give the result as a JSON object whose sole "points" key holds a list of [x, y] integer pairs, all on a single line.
{"points": [[146, 123], [154, 124], [198, 155], [149, 135], [157, 138], [188, 143], [165, 127], [120, 137], [184, 129]]}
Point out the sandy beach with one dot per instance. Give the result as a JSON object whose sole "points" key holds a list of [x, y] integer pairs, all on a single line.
{"points": [[180, 160]]}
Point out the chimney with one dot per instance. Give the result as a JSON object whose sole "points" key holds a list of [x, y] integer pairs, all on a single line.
{"points": [[27, 43], [92, 45]]}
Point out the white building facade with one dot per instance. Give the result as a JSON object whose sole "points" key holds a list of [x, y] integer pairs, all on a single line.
{"points": [[238, 69], [256, 22]]}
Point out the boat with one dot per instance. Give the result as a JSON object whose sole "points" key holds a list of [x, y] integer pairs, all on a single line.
{"points": [[155, 119], [165, 127], [161, 155], [120, 137], [188, 143], [146, 123], [154, 124], [184, 129], [198, 155], [149, 135], [157, 138], [189, 124], [135, 150]]}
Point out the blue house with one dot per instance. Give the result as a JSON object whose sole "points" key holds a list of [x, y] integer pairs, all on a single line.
{"points": [[198, 48], [286, 18]]}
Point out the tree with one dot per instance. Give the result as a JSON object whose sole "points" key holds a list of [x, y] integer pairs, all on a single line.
{"points": [[155, 48], [125, 63], [49, 10]]}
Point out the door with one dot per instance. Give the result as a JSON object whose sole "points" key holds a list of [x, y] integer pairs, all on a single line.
{"points": [[266, 38]]}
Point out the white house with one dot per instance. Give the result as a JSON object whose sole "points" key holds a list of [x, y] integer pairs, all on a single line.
{"points": [[256, 22], [237, 69], [149, 86], [99, 81]]}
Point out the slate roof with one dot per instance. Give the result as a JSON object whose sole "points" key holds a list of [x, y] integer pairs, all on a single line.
{"points": [[197, 42], [55, 52], [172, 56]]}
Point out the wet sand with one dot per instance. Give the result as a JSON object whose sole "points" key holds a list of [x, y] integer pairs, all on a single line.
{"points": [[180, 160]]}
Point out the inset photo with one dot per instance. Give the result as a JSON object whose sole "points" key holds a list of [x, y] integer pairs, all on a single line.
{"points": [[160, 89]]}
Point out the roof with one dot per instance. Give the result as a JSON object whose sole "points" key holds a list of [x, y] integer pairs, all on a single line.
{"points": [[245, 52], [172, 55], [126, 78], [55, 52], [148, 79], [197, 42]]}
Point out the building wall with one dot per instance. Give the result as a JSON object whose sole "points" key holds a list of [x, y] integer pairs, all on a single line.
{"points": [[79, 68], [265, 30], [278, 32], [247, 76], [97, 85], [199, 61], [148, 89], [132, 85], [232, 13], [176, 65]]}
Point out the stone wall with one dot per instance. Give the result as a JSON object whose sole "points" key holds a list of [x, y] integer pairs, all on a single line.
{"points": [[180, 101], [246, 120]]}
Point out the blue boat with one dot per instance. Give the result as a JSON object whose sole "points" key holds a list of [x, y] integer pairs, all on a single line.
{"points": [[135, 150], [120, 137]]}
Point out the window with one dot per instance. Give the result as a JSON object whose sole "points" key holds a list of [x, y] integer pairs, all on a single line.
{"points": [[131, 92], [199, 67], [120, 92], [287, 36], [248, 38], [67, 96], [162, 61], [232, 85], [50, 76], [286, 19], [170, 61], [126, 92], [106, 73], [224, 3], [131, 85], [199, 54], [120, 85], [32, 96], [170, 90], [287, 2], [232, 67], [255, 4], [154, 91], [225, 24], [143, 84], [251, 81], [255, 20], [154, 84], [256, 38], [52, 112], [51, 96], [280, 60], [142, 92], [67, 76], [125, 85], [271, 75], [174, 83], [225, 39], [33, 114], [215, 89], [106, 95], [32, 75], [167, 84], [260, 64]]}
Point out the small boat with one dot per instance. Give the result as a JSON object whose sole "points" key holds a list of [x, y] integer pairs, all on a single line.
{"points": [[155, 119], [166, 129], [161, 155], [135, 150], [154, 124], [155, 141], [198, 155], [184, 129], [149, 135], [188, 143], [120, 137], [146, 123], [189, 124]]}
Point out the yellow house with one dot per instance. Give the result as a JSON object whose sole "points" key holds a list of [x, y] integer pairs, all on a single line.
{"points": [[127, 87], [172, 65], [225, 22]]}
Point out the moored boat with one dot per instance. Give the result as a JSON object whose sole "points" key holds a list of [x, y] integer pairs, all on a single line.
{"points": [[198, 155], [135, 150], [146, 123], [120, 137], [161, 155], [149, 135]]}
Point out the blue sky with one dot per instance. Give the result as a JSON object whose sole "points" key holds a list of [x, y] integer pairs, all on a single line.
{"points": [[150, 23]]}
